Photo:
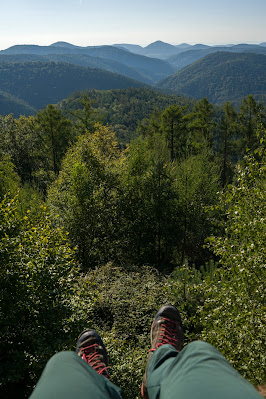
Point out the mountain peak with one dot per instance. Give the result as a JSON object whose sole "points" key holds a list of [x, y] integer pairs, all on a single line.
{"points": [[63, 44], [159, 45]]}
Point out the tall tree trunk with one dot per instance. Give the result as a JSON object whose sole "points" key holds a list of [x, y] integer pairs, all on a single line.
{"points": [[185, 227], [172, 140]]}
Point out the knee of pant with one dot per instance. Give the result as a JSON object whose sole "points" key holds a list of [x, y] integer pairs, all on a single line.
{"points": [[61, 357], [200, 345]]}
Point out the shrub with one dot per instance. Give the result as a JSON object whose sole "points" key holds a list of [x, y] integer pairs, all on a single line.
{"points": [[37, 277]]}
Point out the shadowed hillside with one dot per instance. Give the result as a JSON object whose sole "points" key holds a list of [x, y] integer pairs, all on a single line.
{"points": [[42, 83], [221, 77]]}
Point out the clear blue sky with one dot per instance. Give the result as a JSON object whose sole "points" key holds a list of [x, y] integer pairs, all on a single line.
{"points": [[96, 22]]}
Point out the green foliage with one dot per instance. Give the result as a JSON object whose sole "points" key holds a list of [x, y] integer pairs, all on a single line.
{"points": [[19, 140], [151, 230], [85, 117], [197, 183], [36, 145], [250, 116], [233, 311], [55, 134], [37, 277], [30, 199], [123, 109], [228, 142], [201, 125], [153, 204], [174, 128], [123, 322], [9, 179], [85, 196]]}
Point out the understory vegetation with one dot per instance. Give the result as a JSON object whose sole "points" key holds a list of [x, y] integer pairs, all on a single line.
{"points": [[96, 232]]}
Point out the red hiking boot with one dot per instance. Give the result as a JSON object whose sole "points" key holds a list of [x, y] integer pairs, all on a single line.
{"points": [[90, 348], [166, 329]]}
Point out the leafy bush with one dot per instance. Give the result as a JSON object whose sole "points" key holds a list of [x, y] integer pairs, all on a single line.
{"points": [[37, 277], [233, 311], [9, 180], [125, 302], [85, 196]]}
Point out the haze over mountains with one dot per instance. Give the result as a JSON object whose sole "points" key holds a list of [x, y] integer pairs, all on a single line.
{"points": [[32, 76]]}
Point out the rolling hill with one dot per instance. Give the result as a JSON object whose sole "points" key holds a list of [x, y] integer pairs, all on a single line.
{"points": [[221, 77], [39, 84], [81, 60], [181, 60], [12, 105]]}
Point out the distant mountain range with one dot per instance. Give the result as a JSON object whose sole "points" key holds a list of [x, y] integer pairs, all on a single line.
{"points": [[110, 58], [32, 76], [168, 52]]}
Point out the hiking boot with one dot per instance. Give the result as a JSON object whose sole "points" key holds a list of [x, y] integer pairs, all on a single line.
{"points": [[166, 329], [90, 348]]}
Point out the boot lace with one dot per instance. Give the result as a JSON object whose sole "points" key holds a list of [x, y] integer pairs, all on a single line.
{"points": [[167, 334], [92, 356]]}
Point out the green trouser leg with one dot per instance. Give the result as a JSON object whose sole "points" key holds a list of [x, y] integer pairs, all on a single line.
{"points": [[67, 376], [199, 371]]}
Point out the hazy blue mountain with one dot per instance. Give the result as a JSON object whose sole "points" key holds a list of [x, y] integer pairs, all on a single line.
{"points": [[40, 84], [262, 44], [101, 63], [63, 44], [183, 46], [134, 48], [199, 46], [187, 57], [220, 77], [161, 50], [177, 54], [151, 70], [157, 49], [40, 50], [148, 67]]}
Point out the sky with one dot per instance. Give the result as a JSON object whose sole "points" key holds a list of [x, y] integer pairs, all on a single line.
{"points": [[98, 22]]}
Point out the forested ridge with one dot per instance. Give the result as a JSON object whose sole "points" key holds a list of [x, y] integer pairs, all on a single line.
{"points": [[39, 84], [115, 202], [221, 76]]}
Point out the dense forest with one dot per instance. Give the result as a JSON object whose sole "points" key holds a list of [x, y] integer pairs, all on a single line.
{"points": [[39, 84], [228, 76], [115, 202]]}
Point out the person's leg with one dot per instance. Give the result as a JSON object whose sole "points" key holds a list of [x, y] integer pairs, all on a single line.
{"points": [[67, 376], [198, 371], [80, 375]]}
